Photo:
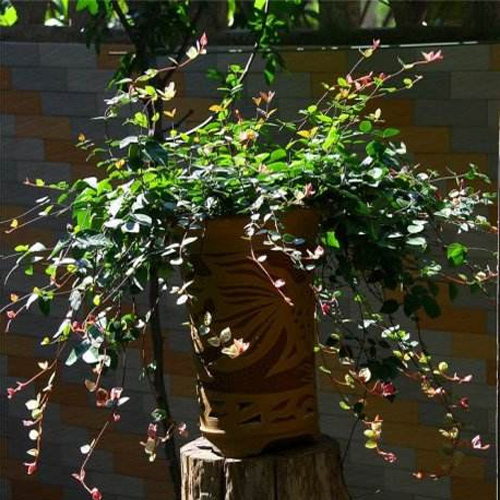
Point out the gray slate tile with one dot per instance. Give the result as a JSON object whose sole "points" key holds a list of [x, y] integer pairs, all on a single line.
{"points": [[67, 55], [473, 113], [69, 104], [474, 139], [475, 85], [22, 149], [88, 80], [14, 54], [39, 79]]}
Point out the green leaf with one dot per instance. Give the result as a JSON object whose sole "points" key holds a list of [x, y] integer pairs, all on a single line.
{"points": [[431, 307], [390, 132], [370, 444], [331, 240], [158, 414], [331, 138], [9, 16], [259, 4], [344, 405], [278, 154], [91, 5], [231, 9], [412, 304], [141, 120], [44, 304], [365, 126], [456, 254], [443, 366], [389, 306], [270, 70]]}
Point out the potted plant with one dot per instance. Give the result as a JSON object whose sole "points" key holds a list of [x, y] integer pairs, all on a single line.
{"points": [[268, 222]]}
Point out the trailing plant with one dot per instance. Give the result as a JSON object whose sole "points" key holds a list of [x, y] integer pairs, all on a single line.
{"points": [[391, 241]]}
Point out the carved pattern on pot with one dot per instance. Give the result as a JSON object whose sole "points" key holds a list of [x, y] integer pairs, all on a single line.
{"points": [[268, 393]]}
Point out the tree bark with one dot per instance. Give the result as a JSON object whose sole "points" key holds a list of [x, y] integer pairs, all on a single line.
{"points": [[304, 472]]}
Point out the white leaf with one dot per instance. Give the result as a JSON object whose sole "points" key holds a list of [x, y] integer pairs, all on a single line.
{"points": [[182, 299], [32, 298], [85, 449], [33, 435], [188, 241], [225, 335], [207, 319], [214, 341], [32, 404], [204, 330], [192, 53]]}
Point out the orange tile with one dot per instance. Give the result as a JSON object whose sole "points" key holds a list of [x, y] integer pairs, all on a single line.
{"points": [[315, 62], [3, 447], [495, 57], [159, 490], [468, 488], [22, 367], [326, 384], [18, 345], [5, 81], [74, 395], [24, 490], [412, 436], [425, 139], [472, 321], [64, 151], [80, 171], [110, 54], [399, 410], [179, 363], [465, 345], [196, 106], [471, 467], [491, 371], [80, 416], [44, 127], [458, 162], [122, 444], [138, 465], [28, 234], [12, 468], [20, 102], [395, 113], [183, 386], [318, 79]]}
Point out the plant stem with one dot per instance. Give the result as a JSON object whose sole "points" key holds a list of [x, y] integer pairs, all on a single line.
{"points": [[159, 382]]}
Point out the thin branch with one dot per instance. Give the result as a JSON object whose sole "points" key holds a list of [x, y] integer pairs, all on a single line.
{"points": [[124, 21]]}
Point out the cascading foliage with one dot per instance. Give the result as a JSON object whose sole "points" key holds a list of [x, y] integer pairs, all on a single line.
{"points": [[391, 239]]}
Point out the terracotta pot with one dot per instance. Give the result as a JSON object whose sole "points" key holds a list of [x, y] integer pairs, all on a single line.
{"points": [[267, 394]]}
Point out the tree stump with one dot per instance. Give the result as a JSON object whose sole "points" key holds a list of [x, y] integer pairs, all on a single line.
{"points": [[301, 472]]}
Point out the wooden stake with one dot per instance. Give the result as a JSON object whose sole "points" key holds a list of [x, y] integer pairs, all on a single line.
{"points": [[301, 472]]}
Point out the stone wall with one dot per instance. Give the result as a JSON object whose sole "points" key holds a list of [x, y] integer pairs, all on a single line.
{"points": [[50, 92]]}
